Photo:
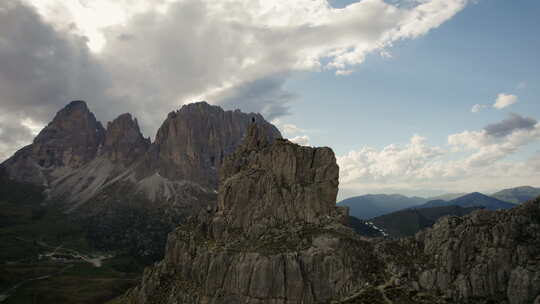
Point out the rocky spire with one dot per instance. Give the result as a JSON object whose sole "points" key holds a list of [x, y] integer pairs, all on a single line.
{"points": [[272, 238], [71, 139], [263, 185], [124, 141]]}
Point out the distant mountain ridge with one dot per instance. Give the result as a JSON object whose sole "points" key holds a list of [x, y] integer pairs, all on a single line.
{"points": [[517, 195], [410, 221], [372, 205], [474, 199], [446, 197]]}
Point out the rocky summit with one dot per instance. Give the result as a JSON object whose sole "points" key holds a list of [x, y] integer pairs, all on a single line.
{"points": [[128, 191], [71, 140], [276, 236]]}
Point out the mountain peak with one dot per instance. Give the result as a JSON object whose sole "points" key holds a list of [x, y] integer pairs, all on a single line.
{"points": [[473, 194], [199, 136], [517, 195], [259, 168], [123, 139], [77, 104], [474, 199], [71, 139]]}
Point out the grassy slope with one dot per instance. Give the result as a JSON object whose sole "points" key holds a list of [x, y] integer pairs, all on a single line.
{"points": [[27, 229], [409, 221]]}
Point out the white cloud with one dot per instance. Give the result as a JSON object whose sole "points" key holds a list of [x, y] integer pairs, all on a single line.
{"points": [[475, 161], [148, 57], [33, 126], [235, 52], [505, 100], [287, 129], [392, 162], [292, 131], [522, 85], [302, 140], [477, 108], [344, 72]]}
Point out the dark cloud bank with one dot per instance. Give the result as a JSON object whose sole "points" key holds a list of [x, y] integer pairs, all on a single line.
{"points": [[508, 126], [143, 69]]}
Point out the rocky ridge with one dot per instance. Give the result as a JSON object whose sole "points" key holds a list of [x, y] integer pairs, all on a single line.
{"points": [[127, 189], [277, 237]]}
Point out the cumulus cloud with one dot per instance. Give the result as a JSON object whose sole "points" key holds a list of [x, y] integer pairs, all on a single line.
{"points": [[292, 132], [505, 100], [393, 161], [288, 129], [477, 108], [42, 69], [302, 140], [344, 72], [473, 159], [154, 56]]}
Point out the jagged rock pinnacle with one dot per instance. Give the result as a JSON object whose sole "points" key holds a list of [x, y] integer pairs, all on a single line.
{"points": [[124, 141]]}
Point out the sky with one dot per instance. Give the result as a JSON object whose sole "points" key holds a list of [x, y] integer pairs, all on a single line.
{"points": [[419, 97]]}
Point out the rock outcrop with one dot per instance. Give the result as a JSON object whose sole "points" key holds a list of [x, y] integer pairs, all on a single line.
{"points": [[263, 186], [277, 237], [492, 255]]}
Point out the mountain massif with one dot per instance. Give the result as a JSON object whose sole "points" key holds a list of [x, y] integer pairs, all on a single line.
{"points": [[127, 191], [517, 195], [474, 199]]}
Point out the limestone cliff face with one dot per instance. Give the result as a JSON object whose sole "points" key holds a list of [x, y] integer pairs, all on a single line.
{"points": [[124, 141], [72, 139], [75, 158], [487, 255], [196, 139], [276, 237], [263, 186]]}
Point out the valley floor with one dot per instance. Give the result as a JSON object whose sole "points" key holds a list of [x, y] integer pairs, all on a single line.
{"points": [[44, 258]]}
